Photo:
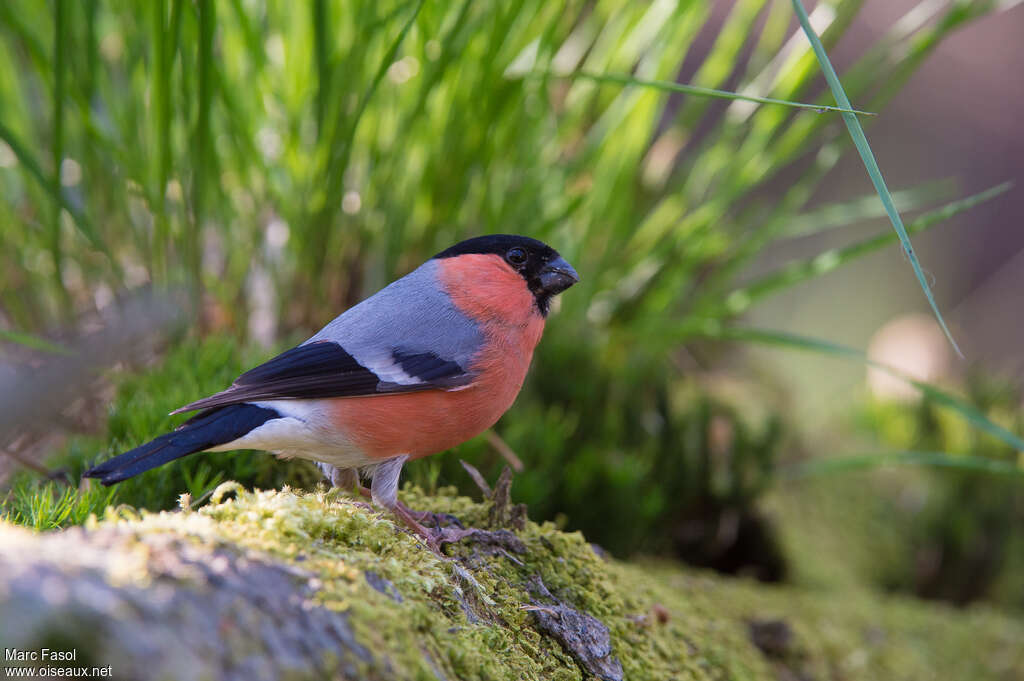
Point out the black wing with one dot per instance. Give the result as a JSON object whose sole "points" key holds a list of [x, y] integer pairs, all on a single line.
{"points": [[325, 369]]}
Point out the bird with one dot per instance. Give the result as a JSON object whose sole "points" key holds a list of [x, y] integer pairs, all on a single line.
{"points": [[426, 363]]}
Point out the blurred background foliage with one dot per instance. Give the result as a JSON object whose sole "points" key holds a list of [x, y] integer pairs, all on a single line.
{"points": [[961, 527], [949, 532], [279, 162]]}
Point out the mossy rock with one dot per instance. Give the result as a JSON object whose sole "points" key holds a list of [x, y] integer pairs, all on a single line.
{"points": [[282, 585]]}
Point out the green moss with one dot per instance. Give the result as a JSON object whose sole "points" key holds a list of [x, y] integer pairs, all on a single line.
{"points": [[470, 618]]}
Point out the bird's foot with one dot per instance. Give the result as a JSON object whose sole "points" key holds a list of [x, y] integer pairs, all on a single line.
{"points": [[434, 537], [435, 521]]}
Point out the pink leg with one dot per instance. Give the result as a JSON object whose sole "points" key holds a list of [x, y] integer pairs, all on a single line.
{"points": [[383, 491], [432, 538]]}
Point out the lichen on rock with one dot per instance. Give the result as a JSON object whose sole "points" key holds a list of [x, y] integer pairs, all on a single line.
{"points": [[287, 584]]}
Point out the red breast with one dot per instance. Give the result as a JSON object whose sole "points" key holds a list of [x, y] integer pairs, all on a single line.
{"points": [[496, 297]]}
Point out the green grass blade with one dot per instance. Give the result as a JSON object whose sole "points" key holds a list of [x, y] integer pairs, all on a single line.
{"points": [[28, 161], [57, 148], [161, 136], [696, 90], [868, 157], [793, 273], [856, 462], [342, 148], [33, 342], [321, 60], [866, 207], [389, 58], [204, 149], [968, 412]]}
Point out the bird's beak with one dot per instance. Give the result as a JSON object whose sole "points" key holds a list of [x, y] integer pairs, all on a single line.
{"points": [[557, 276]]}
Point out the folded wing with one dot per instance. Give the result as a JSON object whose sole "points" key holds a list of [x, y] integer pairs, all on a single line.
{"points": [[324, 369]]}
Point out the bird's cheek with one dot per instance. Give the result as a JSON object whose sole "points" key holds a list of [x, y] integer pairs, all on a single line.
{"points": [[485, 288]]}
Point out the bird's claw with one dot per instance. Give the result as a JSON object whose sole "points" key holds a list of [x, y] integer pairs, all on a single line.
{"points": [[438, 535], [437, 521], [435, 539]]}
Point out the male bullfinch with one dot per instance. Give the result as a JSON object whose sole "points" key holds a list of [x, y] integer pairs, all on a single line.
{"points": [[428, 362]]}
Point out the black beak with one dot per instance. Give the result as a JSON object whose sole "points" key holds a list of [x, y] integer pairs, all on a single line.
{"points": [[557, 276]]}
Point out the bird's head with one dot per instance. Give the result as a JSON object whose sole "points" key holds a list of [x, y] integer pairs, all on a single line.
{"points": [[544, 271]]}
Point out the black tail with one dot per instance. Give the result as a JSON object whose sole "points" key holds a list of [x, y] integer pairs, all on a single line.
{"points": [[204, 430]]}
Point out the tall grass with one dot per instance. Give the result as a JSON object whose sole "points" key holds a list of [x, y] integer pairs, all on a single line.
{"points": [[188, 129]]}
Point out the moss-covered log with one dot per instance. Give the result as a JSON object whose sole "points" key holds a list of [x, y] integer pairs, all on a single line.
{"points": [[281, 585]]}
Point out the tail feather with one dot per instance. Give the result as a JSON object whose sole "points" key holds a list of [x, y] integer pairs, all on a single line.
{"points": [[206, 429]]}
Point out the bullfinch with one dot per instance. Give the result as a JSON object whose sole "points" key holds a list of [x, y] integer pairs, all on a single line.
{"points": [[428, 362]]}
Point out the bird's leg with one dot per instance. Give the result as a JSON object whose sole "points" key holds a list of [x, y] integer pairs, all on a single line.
{"points": [[384, 490], [344, 478], [338, 477]]}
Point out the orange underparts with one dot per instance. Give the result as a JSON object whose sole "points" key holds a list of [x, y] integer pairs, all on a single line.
{"points": [[490, 292]]}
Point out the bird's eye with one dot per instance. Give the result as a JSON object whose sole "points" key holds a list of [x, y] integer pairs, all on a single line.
{"points": [[516, 256]]}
